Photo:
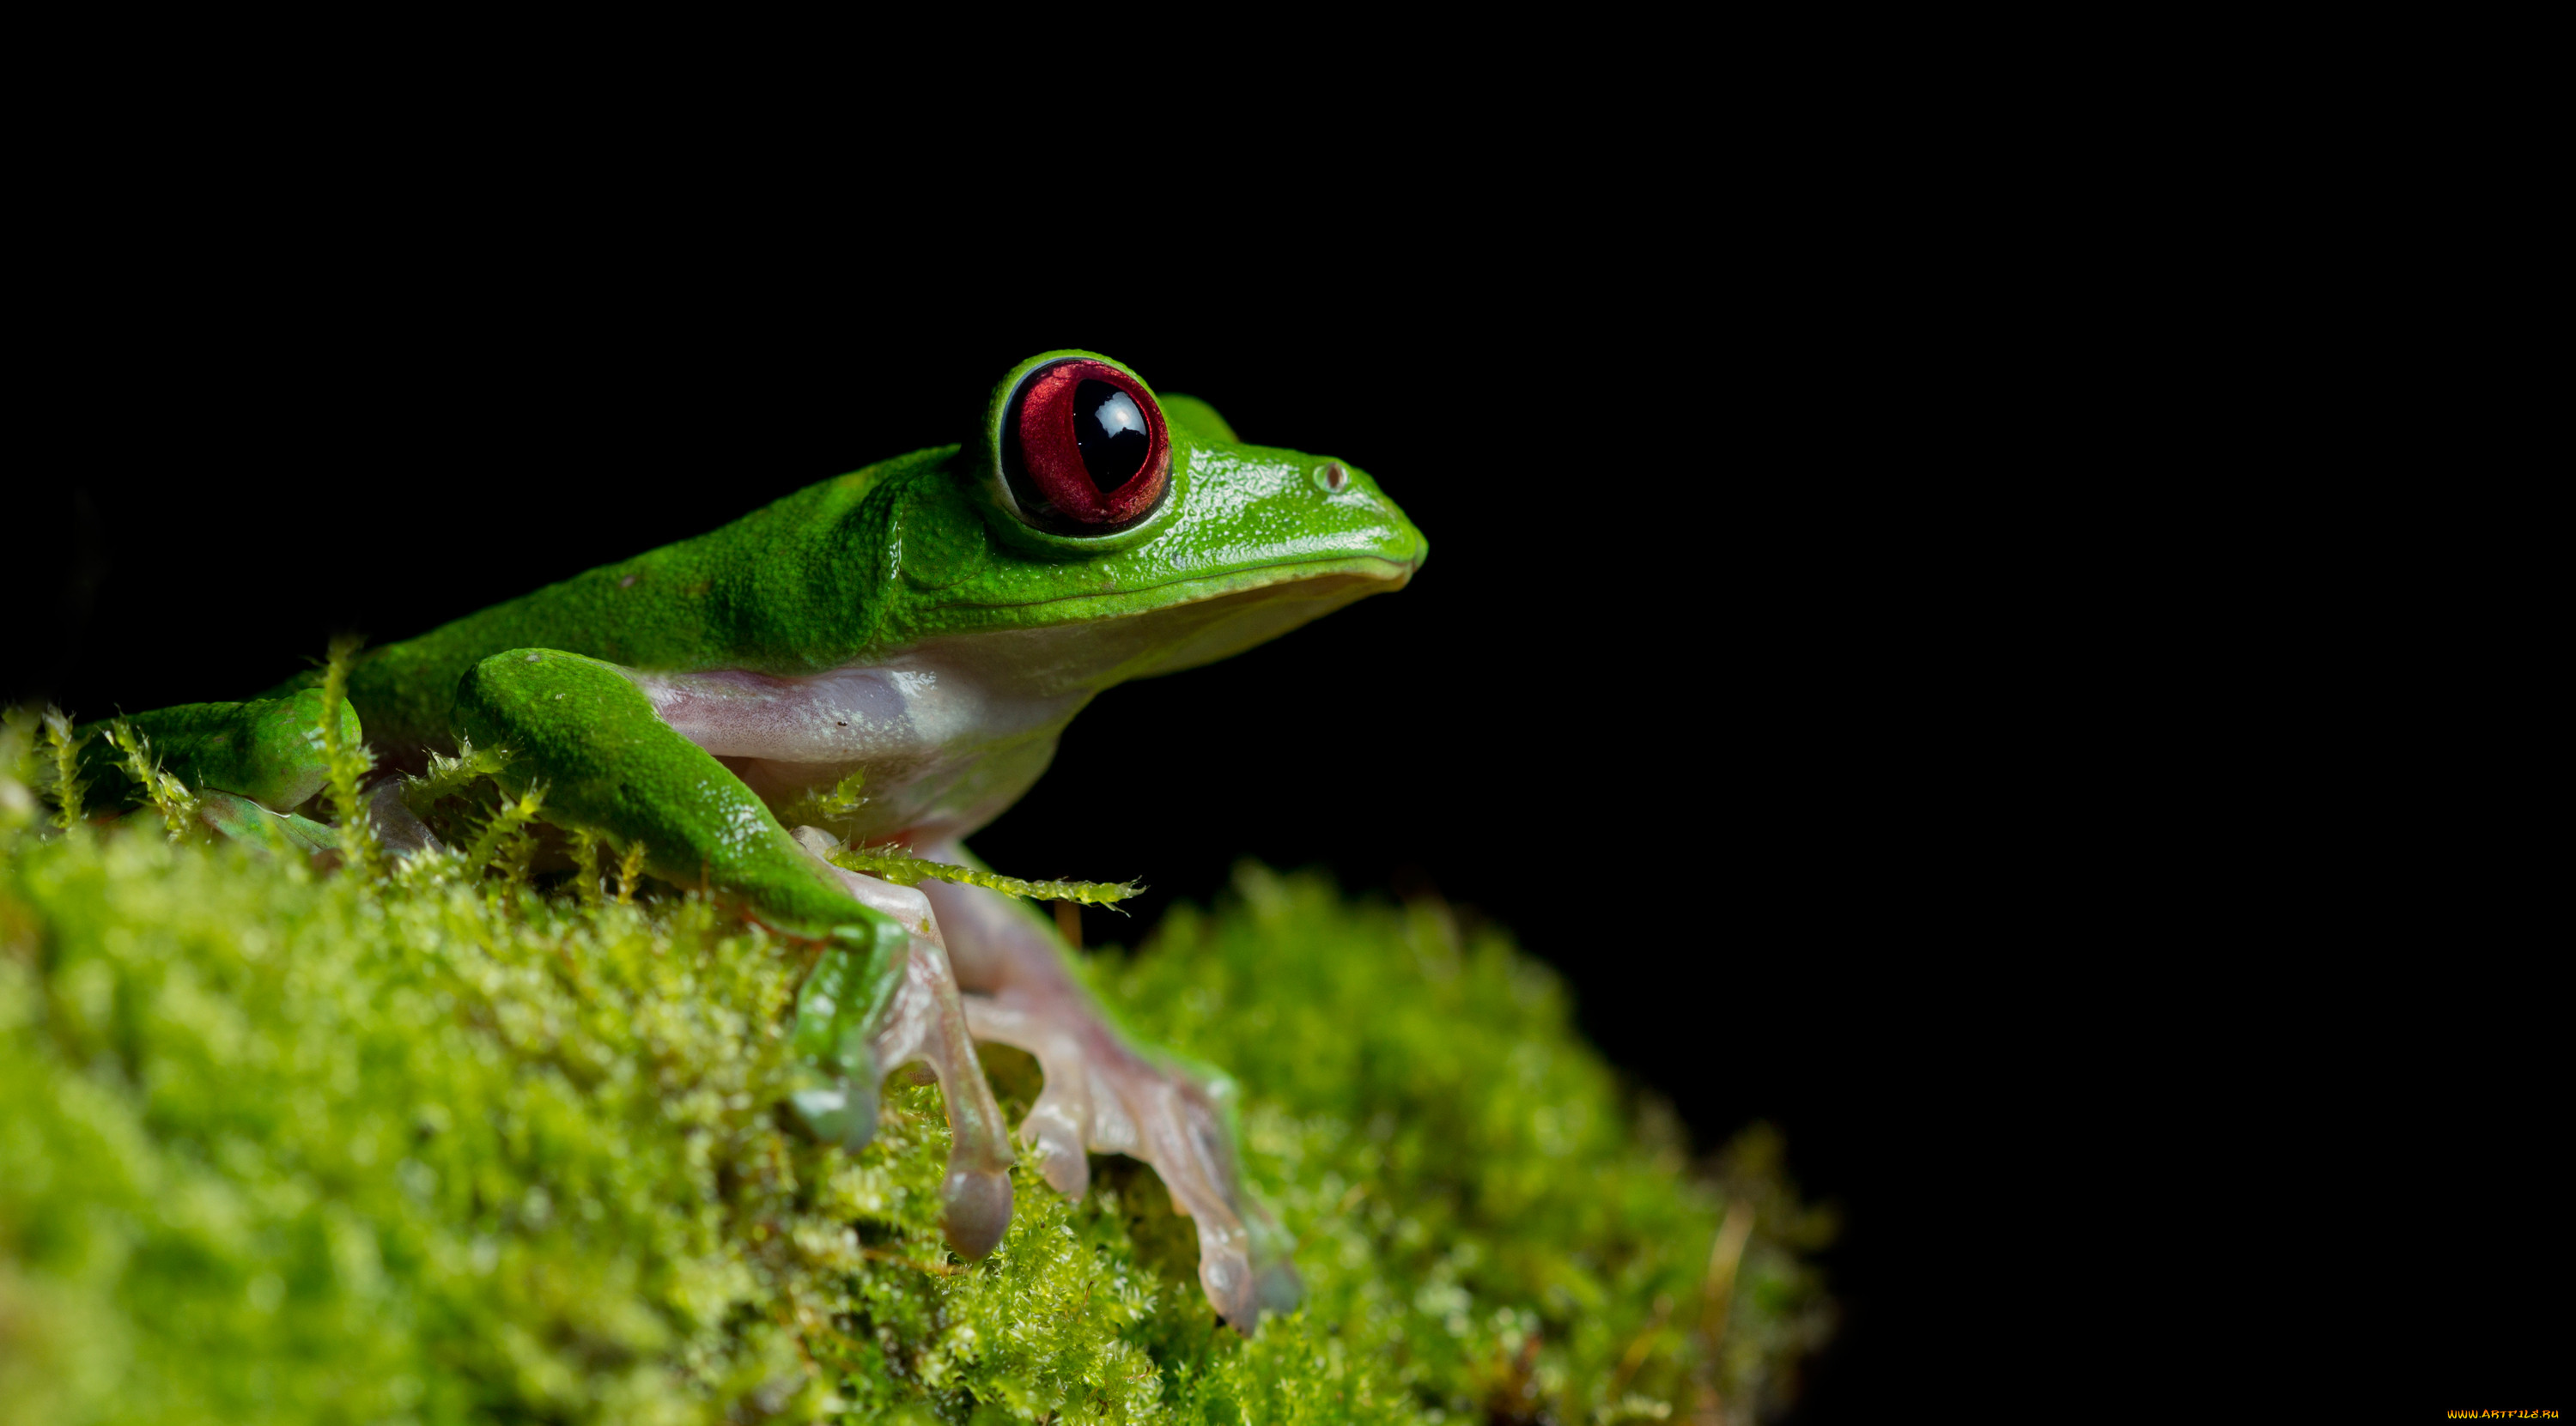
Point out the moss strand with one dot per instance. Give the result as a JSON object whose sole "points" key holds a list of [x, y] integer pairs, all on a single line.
{"points": [[170, 797], [67, 786], [348, 766], [904, 869]]}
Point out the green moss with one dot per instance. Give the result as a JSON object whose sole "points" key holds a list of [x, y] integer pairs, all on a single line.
{"points": [[284, 1146]]}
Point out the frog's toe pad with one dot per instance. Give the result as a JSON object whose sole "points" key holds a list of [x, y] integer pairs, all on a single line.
{"points": [[979, 1209], [925, 1023], [1055, 1125]]}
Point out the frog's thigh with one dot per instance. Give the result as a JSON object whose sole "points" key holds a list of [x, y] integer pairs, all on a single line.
{"points": [[1101, 1094]]}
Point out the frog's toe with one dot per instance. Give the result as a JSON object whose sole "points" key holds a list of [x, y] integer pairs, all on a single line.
{"points": [[1225, 1273], [926, 1023], [1054, 1125], [1064, 1123], [1243, 1255], [1185, 1141]]}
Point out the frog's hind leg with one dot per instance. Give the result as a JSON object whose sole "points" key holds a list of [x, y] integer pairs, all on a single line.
{"points": [[1103, 1094], [266, 751], [881, 991], [249, 765]]}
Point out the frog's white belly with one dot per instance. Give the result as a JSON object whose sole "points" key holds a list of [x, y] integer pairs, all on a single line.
{"points": [[942, 747], [901, 710]]}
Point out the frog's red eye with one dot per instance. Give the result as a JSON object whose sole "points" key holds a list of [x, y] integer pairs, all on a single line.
{"points": [[1084, 443]]}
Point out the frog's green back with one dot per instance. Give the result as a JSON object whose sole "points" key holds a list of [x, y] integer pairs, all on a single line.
{"points": [[791, 587]]}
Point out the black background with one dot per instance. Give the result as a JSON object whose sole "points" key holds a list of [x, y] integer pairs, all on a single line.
{"points": [[1821, 661]]}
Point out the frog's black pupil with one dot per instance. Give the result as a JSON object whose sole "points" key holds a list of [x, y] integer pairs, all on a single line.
{"points": [[1111, 432]]}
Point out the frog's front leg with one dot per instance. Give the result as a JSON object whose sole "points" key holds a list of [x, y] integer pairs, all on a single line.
{"points": [[880, 995], [1102, 1093]]}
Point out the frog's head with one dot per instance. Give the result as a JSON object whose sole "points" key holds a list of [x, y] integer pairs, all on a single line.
{"points": [[1134, 532]]}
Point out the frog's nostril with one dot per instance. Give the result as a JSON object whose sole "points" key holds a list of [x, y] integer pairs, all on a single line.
{"points": [[1335, 476]]}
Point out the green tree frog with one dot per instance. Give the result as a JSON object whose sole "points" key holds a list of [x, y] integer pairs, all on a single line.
{"points": [[928, 624]]}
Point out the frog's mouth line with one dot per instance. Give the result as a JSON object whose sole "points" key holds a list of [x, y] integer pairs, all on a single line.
{"points": [[1112, 635], [1397, 574]]}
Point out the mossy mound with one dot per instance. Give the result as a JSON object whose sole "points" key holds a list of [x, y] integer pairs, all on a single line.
{"points": [[282, 1146]]}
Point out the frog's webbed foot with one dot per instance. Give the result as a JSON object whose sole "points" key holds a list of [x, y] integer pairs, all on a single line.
{"points": [[1104, 1095], [926, 1021]]}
